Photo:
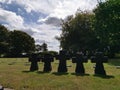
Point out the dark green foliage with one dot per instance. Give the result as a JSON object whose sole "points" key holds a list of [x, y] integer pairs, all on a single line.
{"points": [[77, 32], [4, 34], [38, 48], [53, 53], [107, 24], [41, 48], [21, 42], [4, 48], [44, 47], [14, 43]]}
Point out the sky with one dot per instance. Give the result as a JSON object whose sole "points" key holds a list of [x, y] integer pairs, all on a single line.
{"points": [[40, 18]]}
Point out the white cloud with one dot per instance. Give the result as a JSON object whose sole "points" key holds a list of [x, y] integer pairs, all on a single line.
{"points": [[42, 32], [69, 7], [14, 21], [6, 1], [44, 6], [46, 33], [54, 11], [54, 8]]}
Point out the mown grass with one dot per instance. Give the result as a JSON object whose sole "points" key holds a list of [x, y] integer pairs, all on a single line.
{"points": [[14, 73]]}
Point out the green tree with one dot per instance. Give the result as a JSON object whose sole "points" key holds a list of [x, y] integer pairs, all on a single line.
{"points": [[4, 34], [44, 47], [38, 48], [4, 48], [78, 33], [21, 42], [107, 24]]}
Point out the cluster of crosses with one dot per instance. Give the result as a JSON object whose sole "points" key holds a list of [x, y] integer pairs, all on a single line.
{"points": [[46, 58], [79, 58]]}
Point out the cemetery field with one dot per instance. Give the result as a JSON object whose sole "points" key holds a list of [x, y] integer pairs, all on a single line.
{"points": [[15, 74]]}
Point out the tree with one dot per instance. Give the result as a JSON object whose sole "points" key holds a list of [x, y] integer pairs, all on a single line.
{"points": [[21, 42], [77, 32], [4, 48], [44, 47], [4, 34], [38, 48], [107, 24]]}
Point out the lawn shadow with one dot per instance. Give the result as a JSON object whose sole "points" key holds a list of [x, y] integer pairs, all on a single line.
{"points": [[104, 76], [27, 64], [42, 72], [12, 63], [28, 71], [60, 73], [56, 63], [79, 74], [38, 72]]}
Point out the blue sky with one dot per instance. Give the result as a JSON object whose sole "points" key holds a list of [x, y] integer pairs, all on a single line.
{"points": [[40, 18]]}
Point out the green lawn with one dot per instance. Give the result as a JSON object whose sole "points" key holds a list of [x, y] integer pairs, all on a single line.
{"points": [[14, 73]]}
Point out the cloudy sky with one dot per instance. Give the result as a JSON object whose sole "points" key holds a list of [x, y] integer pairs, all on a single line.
{"points": [[40, 18]]}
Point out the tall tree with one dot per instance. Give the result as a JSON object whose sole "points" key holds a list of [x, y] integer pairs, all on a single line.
{"points": [[77, 32], [107, 24], [4, 34], [44, 47], [21, 42]]}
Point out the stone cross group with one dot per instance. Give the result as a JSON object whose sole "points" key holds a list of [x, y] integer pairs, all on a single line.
{"points": [[79, 58]]}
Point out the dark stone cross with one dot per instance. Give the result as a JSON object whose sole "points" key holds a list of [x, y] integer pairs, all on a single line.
{"points": [[47, 59], [62, 57], [34, 59], [79, 59], [99, 59]]}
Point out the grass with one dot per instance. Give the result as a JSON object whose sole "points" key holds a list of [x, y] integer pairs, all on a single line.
{"points": [[14, 73]]}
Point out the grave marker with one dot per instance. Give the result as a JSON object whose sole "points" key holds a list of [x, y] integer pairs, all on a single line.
{"points": [[47, 59], [34, 59], [99, 59], [62, 57], [79, 59]]}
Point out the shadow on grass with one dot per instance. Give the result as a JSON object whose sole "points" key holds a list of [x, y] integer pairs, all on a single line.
{"points": [[104, 76], [28, 71], [78, 74], [38, 72], [27, 64], [60, 73], [42, 72], [12, 63], [56, 63]]}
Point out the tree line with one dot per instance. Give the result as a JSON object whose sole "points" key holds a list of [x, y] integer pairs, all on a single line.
{"points": [[85, 31], [18, 44], [15, 43], [98, 30]]}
